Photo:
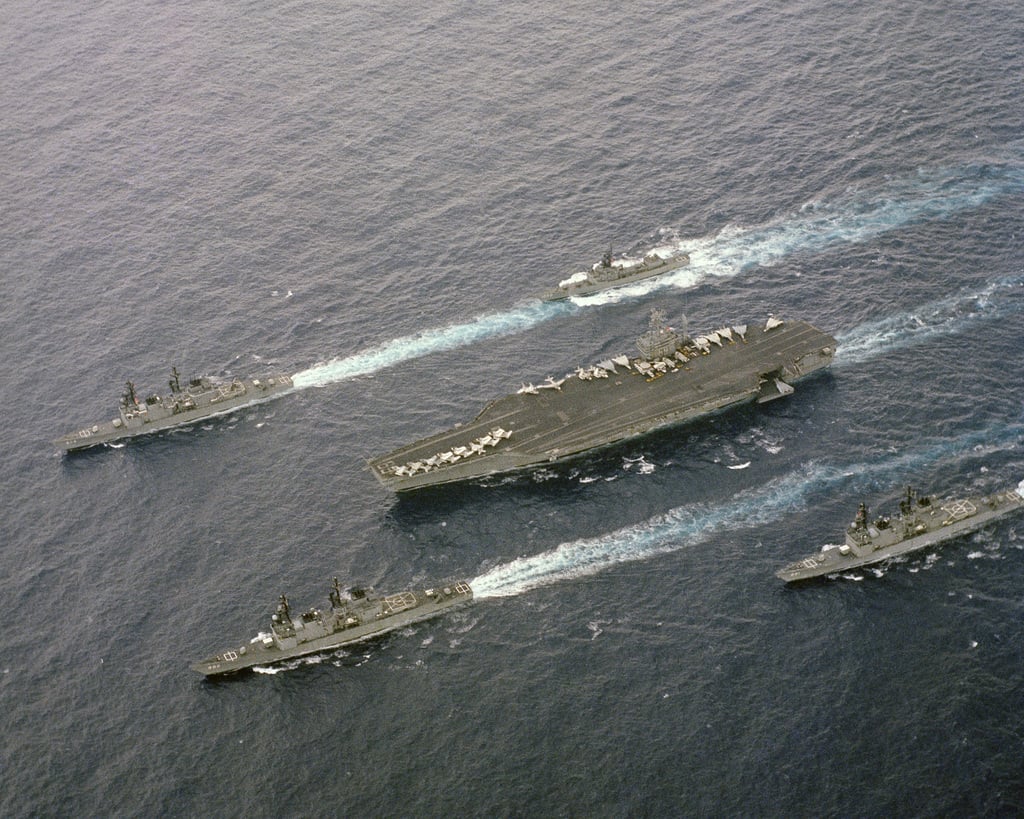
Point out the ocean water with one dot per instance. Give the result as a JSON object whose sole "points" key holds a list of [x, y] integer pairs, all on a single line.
{"points": [[369, 196]]}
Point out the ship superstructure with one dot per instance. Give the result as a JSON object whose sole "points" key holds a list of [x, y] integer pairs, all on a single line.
{"points": [[352, 617], [611, 272], [920, 523], [195, 400]]}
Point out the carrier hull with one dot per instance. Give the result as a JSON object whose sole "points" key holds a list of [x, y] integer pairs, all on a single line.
{"points": [[612, 402]]}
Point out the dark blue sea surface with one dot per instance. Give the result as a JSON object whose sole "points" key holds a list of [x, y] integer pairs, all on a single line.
{"points": [[369, 196]]}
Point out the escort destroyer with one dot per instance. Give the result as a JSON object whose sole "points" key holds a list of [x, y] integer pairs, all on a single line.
{"points": [[675, 378], [921, 522], [353, 617], [609, 273], [196, 400]]}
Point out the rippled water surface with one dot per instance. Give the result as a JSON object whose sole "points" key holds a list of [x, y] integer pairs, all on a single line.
{"points": [[370, 196]]}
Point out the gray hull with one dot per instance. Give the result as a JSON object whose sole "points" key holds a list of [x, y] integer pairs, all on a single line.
{"points": [[347, 622], [201, 399], [608, 278], [920, 525], [612, 402]]}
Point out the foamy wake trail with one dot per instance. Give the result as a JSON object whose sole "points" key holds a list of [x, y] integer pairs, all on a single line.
{"points": [[688, 526], [947, 316], [864, 214], [857, 216], [430, 341]]}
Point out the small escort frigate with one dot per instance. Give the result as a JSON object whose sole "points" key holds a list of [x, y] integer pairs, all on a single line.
{"points": [[609, 273], [675, 378], [197, 400], [357, 616], [921, 522]]}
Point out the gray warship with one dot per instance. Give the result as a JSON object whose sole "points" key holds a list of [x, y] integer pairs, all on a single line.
{"points": [[609, 273], [921, 522], [675, 378], [198, 399], [357, 616]]}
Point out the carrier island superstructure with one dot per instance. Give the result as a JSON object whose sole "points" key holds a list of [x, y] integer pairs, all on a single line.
{"points": [[674, 378]]}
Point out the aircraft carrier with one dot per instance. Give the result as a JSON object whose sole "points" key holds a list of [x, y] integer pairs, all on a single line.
{"points": [[921, 522], [353, 617], [196, 400], [609, 273], [675, 378]]}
